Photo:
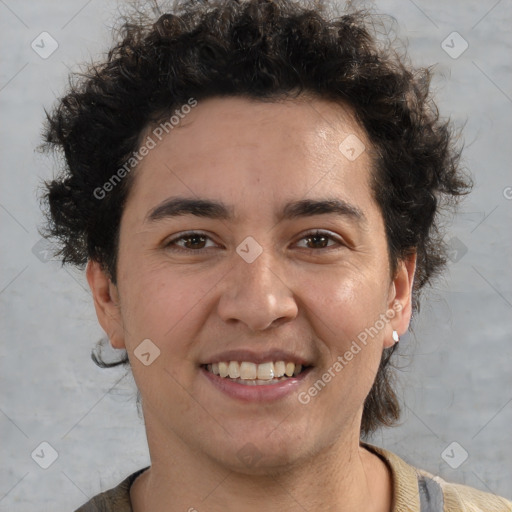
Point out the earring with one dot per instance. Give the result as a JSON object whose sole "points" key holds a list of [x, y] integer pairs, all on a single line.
{"points": [[396, 338]]}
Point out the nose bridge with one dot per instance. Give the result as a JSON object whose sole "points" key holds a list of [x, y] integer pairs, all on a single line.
{"points": [[258, 274], [255, 291]]}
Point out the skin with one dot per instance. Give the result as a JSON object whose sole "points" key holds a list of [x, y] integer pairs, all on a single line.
{"points": [[309, 296]]}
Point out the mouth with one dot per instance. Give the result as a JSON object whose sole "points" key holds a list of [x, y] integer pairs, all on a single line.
{"points": [[252, 374]]}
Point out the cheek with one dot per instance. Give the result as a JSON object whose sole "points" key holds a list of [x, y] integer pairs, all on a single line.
{"points": [[344, 303], [340, 311], [158, 301], [167, 307], [345, 308]]}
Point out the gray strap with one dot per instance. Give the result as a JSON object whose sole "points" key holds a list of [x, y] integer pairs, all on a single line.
{"points": [[431, 495]]}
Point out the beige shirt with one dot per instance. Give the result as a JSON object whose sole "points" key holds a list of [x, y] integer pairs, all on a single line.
{"points": [[414, 490]]}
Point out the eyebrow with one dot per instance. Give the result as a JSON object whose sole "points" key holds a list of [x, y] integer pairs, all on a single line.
{"points": [[177, 206]]}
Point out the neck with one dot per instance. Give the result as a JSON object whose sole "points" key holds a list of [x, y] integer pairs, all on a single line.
{"points": [[342, 478]]}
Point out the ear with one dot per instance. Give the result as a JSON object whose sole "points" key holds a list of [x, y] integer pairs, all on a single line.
{"points": [[400, 299], [106, 303]]}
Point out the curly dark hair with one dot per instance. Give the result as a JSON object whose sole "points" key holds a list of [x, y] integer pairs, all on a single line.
{"points": [[265, 50]]}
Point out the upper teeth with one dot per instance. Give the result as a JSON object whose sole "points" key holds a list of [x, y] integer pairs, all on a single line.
{"points": [[250, 371]]}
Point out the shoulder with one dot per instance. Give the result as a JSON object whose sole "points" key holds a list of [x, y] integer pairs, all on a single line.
{"points": [[461, 497], [113, 500], [417, 490]]}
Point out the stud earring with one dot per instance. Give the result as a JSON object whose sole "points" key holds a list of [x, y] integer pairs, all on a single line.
{"points": [[396, 338]]}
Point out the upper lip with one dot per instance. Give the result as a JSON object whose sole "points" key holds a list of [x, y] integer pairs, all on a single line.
{"points": [[257, 357]]}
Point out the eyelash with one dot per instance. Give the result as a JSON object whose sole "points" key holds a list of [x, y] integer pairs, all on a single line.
{"points": [[193, 234]]}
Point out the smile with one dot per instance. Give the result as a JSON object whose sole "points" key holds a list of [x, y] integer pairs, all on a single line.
{"points": [[248, 386], [252, 374]]}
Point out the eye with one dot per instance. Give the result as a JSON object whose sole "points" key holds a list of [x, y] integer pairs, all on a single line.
{"points": [[321, 239], [194, 241]]}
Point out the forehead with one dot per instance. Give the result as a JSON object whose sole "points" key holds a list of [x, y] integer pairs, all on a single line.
{"points": [[259, 151], [305, 124]]}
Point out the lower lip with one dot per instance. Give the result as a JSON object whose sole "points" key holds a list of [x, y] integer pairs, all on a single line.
{"points": [[259, 393]]}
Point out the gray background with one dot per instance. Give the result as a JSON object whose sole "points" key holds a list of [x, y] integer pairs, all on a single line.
{"points": [[456, 387]]}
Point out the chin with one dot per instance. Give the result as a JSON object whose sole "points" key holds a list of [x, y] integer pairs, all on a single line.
{"points": [[261, 454]]}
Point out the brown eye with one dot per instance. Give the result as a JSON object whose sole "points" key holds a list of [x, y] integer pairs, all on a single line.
{"points": [[320, 240], [192, 242]]}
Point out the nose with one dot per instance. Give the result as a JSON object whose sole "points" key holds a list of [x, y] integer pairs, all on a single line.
{"points": [[256, 294]]}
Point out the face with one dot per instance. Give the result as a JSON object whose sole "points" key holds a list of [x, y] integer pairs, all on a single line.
{"points": [[282, 258]]}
